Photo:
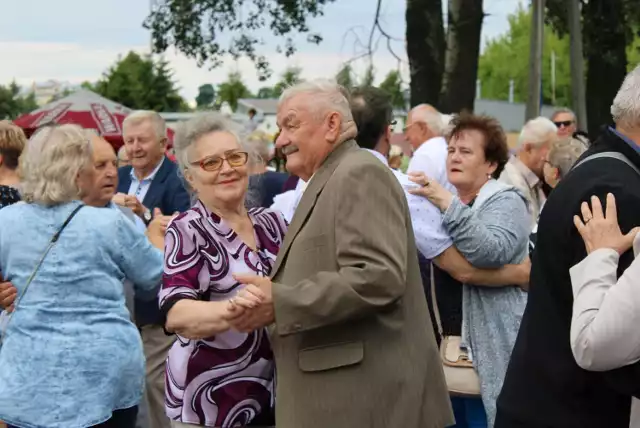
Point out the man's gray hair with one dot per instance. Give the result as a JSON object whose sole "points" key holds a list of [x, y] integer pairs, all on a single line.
{"points": [[188, 132], [139, 116], [563, 110], [436, 121], [564, 154], [625, 109], [537, 132], [326, 94], [51, 162]]}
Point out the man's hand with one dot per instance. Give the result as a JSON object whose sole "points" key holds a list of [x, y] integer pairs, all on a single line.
{"points": [[131, 202], [8, 295], [252, 308]]}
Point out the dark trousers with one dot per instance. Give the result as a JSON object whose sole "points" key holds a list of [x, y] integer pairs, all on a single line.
{"points": [[266, 418], [125, 418]]}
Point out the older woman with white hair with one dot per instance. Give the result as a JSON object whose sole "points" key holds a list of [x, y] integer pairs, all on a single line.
{"points": [[70, 355], [216, 376]]}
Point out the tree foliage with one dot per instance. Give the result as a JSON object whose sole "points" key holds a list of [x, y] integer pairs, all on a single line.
{"points": [[141, 83], [345, 77], [369, 76], [505, 58], [392, 85], [206, 96], [290, 77], [196, 27], [232, 90], [12, 104], [610, 32]]}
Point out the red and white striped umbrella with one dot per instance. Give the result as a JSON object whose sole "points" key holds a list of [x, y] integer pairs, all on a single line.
{"points": [[84, 108]]}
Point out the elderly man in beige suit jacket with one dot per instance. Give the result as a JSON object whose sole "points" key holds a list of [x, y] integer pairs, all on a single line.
{"points": [[351, 333]]}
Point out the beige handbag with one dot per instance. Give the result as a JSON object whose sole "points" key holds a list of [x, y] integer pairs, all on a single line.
{"points": [[462, 379]]}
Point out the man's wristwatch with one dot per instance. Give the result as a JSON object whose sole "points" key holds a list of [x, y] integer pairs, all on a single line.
{"points": [[147, 217]]}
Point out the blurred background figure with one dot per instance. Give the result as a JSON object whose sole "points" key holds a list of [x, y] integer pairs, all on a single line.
{"points": [[565, 120], [562, 156], [12, 142], [525, 169], [123, 157], [395, 157], [264, 182], [252, 122]]}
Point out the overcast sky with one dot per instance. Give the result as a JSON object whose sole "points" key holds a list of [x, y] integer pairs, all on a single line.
{"points": [[76, 40]]}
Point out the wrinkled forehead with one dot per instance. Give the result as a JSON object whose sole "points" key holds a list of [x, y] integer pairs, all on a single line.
{"points": [[102, 150], [564, 116], [295, 108]]}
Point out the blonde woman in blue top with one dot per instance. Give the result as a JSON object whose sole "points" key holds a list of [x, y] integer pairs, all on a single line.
{"points": [[71, 358]]}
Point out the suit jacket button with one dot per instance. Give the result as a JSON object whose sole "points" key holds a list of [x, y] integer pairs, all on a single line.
{"points": [[296, 327]]}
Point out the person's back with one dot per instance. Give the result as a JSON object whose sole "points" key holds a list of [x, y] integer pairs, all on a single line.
{"points": [[544, 386], [266, 186], [70, 343]]}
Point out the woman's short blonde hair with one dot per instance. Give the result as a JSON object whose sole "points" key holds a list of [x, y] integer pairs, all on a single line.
{"points": [[12, 142], [50, 164]]}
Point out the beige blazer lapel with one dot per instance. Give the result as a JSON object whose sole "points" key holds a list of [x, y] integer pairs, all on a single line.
{"points": [[309, 197]]}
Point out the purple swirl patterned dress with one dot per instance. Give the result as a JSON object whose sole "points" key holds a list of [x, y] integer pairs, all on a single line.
{"points": [[226, 380]]}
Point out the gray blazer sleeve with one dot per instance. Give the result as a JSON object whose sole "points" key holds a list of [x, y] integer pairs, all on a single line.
{"points": [[606, 312], [489, 236]]}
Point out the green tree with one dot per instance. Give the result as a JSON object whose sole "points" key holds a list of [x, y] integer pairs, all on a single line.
{"points": [[206, 96], [369, 76], [506, 58], [266, 92], [290, 77], [232, 90], [195, 27], [12, 104], [392, 85], [345, 77], [141, 83], [609, 29]]}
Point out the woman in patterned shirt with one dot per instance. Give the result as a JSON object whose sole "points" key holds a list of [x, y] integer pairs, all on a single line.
{"points": [[12, 142], [216, 376]]}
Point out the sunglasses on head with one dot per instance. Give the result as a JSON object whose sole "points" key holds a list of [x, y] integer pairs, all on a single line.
{"points": [[214, 163], [564, 123]]}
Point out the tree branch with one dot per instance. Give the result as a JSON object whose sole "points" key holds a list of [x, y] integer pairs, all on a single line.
{"points": [[372, 44]]}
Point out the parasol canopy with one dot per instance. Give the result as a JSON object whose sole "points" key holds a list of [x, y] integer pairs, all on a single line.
{"points": [[84, 108]]}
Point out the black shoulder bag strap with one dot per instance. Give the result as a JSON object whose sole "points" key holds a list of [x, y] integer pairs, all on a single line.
{"points": [[52, 242], [611, 155]]}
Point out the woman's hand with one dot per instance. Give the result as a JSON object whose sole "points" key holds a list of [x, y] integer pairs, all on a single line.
{"points": [[600, 230], [158, 227], [431, 189]]}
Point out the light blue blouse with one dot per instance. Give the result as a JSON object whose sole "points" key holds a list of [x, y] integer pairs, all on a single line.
{"points": [[71, 355]]}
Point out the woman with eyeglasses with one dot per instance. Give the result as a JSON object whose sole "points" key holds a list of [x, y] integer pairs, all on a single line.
{"points": [[216, 376]]}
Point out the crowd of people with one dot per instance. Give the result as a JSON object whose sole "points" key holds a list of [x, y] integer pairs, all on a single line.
{"points": [[481, 288]]}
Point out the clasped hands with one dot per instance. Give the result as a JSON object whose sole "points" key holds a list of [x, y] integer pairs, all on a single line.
{"points": [[252, 308]]}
